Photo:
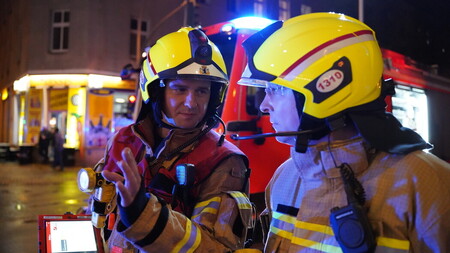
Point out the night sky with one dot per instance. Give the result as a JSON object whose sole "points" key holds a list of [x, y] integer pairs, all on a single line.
{"points": [[416, 28]]}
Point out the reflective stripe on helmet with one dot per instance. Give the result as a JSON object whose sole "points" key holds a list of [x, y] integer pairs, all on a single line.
{"points": [[326, 48], [151, 68], [202, 71]]}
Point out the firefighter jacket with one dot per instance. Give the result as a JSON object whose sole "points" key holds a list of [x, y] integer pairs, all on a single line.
{"points": [[407, 199], [220, 212]]}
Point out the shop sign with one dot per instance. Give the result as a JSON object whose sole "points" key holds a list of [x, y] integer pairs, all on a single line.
{"points": [[58, 99], [34, 115], [100, 115]]}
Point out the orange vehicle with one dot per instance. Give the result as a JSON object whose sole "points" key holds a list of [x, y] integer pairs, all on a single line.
{"points": [[421, 96], [241, 112]]}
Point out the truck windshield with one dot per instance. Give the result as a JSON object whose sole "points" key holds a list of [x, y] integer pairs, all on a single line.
{"points": [[227, 44]]}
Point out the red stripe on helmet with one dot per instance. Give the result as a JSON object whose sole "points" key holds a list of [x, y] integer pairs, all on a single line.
{"points": [[324, 45], [151, 65]]}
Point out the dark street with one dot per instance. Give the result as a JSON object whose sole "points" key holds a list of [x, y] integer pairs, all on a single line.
{"points": [[27, 191]]}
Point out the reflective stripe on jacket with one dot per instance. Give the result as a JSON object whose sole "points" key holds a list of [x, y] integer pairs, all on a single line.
{"points": [[407, 198]]}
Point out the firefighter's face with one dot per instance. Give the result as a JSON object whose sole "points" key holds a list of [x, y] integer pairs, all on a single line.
{"points": [[279, 102], [186, 101]]}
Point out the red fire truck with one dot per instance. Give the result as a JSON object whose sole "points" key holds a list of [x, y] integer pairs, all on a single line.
{"points": [[241, 110]]}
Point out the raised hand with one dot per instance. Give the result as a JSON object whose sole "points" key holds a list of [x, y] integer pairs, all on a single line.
{"points": [[128, 185]]}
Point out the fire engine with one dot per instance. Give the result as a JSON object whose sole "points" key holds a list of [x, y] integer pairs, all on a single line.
{"points": [[241, 108]]}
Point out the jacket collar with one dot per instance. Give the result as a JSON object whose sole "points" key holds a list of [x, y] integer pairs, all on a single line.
{"points": [[318, 162]]}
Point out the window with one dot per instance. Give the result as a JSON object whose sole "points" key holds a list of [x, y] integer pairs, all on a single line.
{"points": [[123, 109], [60, 31], [410, 107], [136, 26], [305, 9], [285, 10], [255, 96], [231, 5], [258, 6]]}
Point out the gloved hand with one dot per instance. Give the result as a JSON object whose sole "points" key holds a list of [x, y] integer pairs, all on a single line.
{"points": [[128, 185]]}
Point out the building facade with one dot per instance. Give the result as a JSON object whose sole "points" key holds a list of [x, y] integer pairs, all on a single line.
{"points": [[73, 64]]}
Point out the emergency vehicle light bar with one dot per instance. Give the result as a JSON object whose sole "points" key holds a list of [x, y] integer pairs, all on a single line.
{"points": [[251, 22]]}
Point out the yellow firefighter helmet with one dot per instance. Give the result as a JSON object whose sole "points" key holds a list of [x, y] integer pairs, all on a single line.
{"points": [[332, 59], [185, 54]]}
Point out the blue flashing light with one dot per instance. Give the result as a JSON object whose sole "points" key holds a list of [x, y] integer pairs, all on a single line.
{"points": [[227, 28], [251, 22]]}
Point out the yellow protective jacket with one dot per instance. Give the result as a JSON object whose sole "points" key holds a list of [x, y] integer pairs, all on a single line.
{"points": [[219, 217], [407, 198]]}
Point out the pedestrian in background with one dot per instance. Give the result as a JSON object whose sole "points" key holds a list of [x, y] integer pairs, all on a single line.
{"points": [[58, 149], [45, 137], [356, 181]]}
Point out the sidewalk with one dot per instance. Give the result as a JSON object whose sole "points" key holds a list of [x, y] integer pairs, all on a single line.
{"points": [[29, 190]]}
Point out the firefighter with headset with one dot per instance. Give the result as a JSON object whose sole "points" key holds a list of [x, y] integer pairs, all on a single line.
{"points": [[356, 181], [181, 187]]}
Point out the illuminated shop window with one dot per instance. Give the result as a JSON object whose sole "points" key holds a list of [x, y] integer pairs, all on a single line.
{"points": [[255, 96], [410, 107], [60, 31], [123, 109]]}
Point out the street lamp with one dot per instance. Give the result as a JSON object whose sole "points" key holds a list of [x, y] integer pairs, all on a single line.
{"points": [[361, 10]]}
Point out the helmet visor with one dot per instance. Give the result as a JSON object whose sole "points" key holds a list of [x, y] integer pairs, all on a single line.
{"points": [[247, 80]]}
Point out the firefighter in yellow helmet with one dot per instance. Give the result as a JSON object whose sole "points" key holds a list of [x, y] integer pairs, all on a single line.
{"points": [[356, 181], [181, 186]]}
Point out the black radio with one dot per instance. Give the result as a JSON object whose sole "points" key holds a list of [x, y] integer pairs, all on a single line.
{"points": [[350, 224]]}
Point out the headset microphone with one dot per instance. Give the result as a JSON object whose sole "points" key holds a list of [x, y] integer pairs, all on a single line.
{"points": [[236, 137]]}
